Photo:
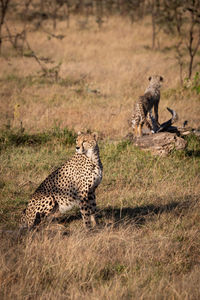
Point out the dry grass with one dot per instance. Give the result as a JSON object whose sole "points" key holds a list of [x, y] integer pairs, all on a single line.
{"points": [[127, 262], [116, 61], [147, 243]]}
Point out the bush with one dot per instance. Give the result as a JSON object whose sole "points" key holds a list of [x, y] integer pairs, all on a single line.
{"points": [[13, 137]]}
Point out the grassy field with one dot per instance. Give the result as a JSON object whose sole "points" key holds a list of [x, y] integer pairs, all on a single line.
{"points": [[147, 243]]}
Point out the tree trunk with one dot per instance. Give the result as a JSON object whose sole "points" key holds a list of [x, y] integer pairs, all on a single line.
{"points": [[0, 39], [166, 138], [4, 7], [190, 66], [161, 143]]}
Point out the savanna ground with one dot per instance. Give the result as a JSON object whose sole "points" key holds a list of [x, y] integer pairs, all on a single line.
{"points": [[147, 243]]}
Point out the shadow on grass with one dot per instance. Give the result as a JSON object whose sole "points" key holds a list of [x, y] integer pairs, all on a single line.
{"points": [[137, 215], [192, 153]]}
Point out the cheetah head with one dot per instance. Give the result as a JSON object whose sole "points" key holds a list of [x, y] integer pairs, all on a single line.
{"points": [[86, 143], [156, 80]]}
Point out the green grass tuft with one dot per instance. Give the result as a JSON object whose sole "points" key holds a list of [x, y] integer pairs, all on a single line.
{"points": [[13, 137]]}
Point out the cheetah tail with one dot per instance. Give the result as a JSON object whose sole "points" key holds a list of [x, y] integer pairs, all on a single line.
{"points": [[174, 115]]}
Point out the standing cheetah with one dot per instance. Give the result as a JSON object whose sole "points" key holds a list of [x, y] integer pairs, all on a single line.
{"points": [[143, 107], [74, 183]]}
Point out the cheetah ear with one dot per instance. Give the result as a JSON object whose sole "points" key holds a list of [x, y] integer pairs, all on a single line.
{"points": [[161, 78], [95, 135], [79, 133], [149, 78]]}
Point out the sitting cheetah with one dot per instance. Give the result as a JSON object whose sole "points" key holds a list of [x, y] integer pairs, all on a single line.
{"points": [[143, 107], [74, 183]]}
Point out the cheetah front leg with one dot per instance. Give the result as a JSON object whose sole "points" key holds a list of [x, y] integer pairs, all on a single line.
{"points": [[147, 121], [156, 112], [84, 209], [136, 130], [140, 130], [92, 207]]}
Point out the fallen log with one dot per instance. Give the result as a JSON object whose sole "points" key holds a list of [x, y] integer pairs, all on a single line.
{"points": [[164, 137], [161, 143]]}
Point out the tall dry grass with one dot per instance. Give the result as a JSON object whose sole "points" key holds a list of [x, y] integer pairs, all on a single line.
{"points": [[116, 61], [126, 262], [147, 243], [145, 247]]}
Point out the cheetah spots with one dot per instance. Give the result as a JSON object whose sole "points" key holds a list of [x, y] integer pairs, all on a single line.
{"points": [[72, 184]]}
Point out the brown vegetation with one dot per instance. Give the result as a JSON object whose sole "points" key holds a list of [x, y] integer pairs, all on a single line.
{"points": [[147, 243], [115, 62]]}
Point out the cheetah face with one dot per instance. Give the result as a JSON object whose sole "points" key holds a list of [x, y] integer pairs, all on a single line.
{"points": [[86, 143], [156, 80]]}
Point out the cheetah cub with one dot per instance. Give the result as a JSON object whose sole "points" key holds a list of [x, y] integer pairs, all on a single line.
{"points": [[73, 184], [142, 113]]}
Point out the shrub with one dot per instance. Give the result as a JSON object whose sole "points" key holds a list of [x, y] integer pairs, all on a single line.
{"points": [[13, 137]]}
